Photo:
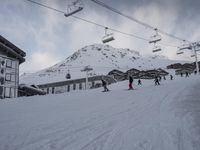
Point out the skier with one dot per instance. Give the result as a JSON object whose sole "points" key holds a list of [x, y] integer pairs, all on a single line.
{"points": [[164, 78], [186, 74], [156, 81], [159, 78], [104, 84], [130, 83], [181, 74], [139, 82], [171, 77]]}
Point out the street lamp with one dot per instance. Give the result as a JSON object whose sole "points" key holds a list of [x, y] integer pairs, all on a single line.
{"points": [[86, 69]]}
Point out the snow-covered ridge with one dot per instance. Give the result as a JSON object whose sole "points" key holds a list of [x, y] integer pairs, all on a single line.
{"points": [[102, 58]]}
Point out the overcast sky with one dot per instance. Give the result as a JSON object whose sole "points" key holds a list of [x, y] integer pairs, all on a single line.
{"points": [[48, 37]]}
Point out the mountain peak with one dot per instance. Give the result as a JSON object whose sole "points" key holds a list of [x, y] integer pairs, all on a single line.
{"points": [[102, 58]]}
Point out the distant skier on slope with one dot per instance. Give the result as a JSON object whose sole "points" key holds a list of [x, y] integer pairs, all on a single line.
{"points": [[139, 82], [130, 83], [171, 77], [104, 84], [156, 80], [186, 74], [164, 78]]}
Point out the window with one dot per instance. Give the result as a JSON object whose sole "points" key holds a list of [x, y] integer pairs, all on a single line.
{"points": [[2, 71], [13, 64], [2, 62], [53, 89], [12, 92], [8, 77], [13, 78], [7, 92], [1, 92], [47, 90], [68, 88], [9, 63], [74, 86], [80, 86], [93, 84]]}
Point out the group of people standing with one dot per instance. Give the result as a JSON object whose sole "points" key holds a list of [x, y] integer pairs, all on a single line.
{"points": [[104, 84]]}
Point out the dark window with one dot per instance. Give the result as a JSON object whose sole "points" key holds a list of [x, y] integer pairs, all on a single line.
{"points": [[74, 86], [47, 90], [2, 62], [1, 80], [1, 92], [68, 88], [80, 86], [93, 84], [2, 71], [53, 89]]}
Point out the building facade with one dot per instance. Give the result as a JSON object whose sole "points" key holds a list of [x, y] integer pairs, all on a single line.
{"points": [[10, 59], [75, 84]]}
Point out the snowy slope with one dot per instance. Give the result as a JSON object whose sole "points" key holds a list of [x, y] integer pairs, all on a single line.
{"points": [[151, 117], [102, 58]]}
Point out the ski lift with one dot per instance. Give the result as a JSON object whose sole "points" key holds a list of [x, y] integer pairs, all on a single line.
{"points": [[155, 38], [108, 37], [68, 75], [185, 46], [73, 8], [156, 49], [179, 52]]}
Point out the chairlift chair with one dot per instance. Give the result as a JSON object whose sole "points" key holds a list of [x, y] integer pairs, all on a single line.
{"points": [[156, 49], [74, 8], [68, 75], [184, 46], [155, 38], [179, 52], [108, 37]]}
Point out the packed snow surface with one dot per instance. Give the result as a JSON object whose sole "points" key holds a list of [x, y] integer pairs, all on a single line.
{"points": [[165, 117]]}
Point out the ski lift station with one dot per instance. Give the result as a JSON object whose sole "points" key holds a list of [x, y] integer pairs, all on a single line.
{"points": [[10, 59]]}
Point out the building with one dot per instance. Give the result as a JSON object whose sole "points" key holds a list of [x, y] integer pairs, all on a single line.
{"points": [[10, 59], [74, 84]]}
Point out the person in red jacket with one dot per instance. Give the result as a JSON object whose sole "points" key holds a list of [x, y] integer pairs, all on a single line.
{"points": [[130, 83]]}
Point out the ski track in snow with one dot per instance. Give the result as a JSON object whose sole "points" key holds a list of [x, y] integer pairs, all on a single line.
{"points": [[150, 118]]}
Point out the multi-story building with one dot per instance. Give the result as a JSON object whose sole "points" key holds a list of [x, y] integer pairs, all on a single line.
{"points": [[10, 59]]}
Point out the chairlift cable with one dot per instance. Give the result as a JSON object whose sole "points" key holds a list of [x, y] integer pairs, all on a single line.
{"points": [[97, 24], [135, 20]]}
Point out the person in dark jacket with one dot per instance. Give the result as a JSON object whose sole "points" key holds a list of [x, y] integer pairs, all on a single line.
{"points": [[156, 80], [171, 77], [104, 84], [130, 83], [186, 74], [139, 82]]}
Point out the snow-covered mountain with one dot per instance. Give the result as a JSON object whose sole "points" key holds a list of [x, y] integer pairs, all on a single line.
{"points": [[102, 58]]}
